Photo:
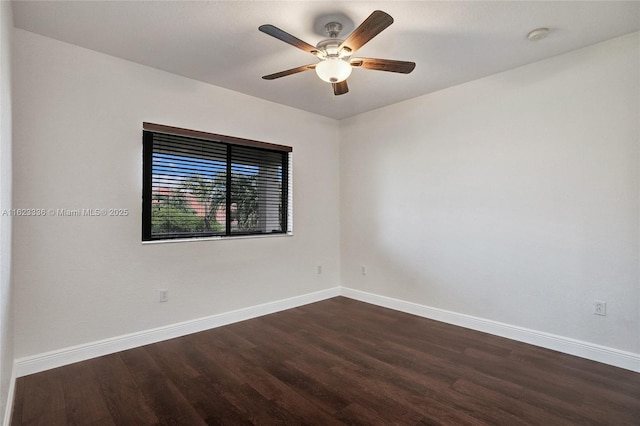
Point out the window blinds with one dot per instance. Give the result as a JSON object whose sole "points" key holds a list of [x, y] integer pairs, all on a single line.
{"points": [[198, 184]]}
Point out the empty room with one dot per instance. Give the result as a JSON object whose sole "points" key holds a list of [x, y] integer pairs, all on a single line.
{"points": [[319, 212]]}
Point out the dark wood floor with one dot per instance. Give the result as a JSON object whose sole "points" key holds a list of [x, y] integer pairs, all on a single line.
{"points": [[334, 362]]}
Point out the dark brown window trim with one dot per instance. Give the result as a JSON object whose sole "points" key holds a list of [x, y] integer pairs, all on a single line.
{"points": [[178, 131]]}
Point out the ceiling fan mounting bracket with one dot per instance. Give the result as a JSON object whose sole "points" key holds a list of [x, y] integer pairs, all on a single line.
{"points": [[333, 29]]}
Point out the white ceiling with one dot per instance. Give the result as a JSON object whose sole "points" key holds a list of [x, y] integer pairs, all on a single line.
{"points": [[218, 42]]}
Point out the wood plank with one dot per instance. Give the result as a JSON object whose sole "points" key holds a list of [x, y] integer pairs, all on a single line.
{"points": [[244, 365], [164, 398], [355, 414], [207, 400], [84, 400], [122, 396], [45, 404]]}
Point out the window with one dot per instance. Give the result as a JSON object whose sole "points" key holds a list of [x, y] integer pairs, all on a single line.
{"points": [[198, 184]]}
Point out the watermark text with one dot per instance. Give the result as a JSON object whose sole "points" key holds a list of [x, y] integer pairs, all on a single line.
{"points": [[57, 212]]}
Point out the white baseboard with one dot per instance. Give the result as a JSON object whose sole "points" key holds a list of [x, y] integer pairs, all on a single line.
{"points": [[592, 351], [45, 361]]}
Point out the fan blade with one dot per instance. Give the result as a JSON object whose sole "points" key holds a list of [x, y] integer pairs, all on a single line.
{"points": [[289, 72], [287, 38], [340, 88], [383, 65], [371, 27]]}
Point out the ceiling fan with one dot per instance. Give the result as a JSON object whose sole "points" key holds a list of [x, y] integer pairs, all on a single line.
{"points": [[334, 54]]}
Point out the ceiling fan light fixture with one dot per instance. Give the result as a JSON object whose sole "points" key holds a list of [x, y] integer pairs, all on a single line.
{"points": [[333, 70]]}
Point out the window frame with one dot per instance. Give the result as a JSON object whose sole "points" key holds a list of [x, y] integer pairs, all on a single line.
{"points": [[149, 129]]}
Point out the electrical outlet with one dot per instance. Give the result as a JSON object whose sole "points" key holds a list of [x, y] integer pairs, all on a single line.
{"points": [[599, 307], [319, 269], [364, 270], [163, 295]]}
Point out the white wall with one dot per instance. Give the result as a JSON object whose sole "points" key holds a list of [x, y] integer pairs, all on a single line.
{"points": [[6, 311], [78, 139], [512, 198]]}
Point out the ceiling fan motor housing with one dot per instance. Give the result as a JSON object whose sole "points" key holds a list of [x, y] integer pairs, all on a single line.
{"points": [[330, 47]]}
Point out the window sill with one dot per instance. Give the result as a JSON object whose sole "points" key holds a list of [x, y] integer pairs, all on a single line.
{"points": [[237, 237]]}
